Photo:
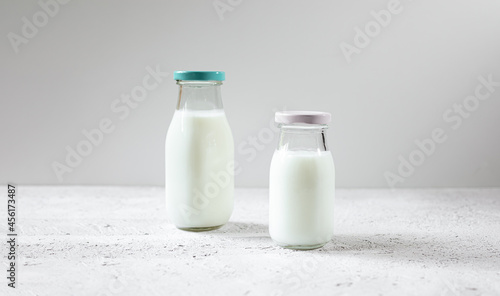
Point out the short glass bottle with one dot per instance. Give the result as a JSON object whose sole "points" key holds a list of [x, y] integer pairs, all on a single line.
{"points": [[199, 155], [302, 182]]}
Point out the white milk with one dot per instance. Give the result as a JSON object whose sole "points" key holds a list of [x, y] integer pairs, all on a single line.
{"points": [[301, 189], [199, 178]]}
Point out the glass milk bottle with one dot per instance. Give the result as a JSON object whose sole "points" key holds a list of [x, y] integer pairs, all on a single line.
{"points": [[199, 155], [302, 182]]}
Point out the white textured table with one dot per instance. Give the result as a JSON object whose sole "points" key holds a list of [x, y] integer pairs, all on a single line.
{"points": [[117, 241]]}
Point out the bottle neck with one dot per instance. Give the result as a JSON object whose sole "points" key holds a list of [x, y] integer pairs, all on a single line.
{"points": [[303, 137], [199, 95]]}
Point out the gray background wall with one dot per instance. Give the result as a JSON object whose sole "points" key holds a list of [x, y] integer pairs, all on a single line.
{"points": [[395, 88]]}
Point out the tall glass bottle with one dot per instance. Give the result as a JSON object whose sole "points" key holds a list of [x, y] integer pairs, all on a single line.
{"points": [[199, 155], [302, 182]]}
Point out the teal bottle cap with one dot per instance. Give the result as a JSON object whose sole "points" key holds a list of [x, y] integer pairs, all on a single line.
{"points": [[200, 75]]}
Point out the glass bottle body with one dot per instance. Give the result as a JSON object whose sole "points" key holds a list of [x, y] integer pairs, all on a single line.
{"points": [[199, 159], [301, 188]]}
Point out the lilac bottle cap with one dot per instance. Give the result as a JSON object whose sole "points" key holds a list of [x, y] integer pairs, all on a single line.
{"points": [[310, 117]]}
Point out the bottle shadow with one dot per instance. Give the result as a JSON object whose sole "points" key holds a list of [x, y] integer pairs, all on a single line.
{"points": [[242, 229], [435, 249]]}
